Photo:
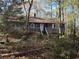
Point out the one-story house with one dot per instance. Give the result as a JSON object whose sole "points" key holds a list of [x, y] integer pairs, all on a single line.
{"points": [[50, 25], [38, 24]]}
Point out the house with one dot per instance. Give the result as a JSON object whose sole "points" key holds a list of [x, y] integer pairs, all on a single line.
{"points": [[37, 24], [47, 25], [15, 23]]}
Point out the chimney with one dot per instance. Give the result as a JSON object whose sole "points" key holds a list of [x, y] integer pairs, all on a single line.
{"points": [[34, 15]]}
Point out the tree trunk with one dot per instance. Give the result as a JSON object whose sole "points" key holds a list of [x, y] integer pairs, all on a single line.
{"points": [[59, 17], [27, 14], [30, 3]]}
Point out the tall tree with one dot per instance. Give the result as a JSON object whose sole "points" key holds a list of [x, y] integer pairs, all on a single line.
{"points": [[27, 12]]}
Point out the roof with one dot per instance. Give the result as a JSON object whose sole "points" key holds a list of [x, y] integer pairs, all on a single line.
{"points": [[35, 20], [9, 20], [14, 19], [42, 20]]}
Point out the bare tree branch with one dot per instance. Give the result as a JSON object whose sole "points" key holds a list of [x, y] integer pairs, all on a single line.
{"points": [[29, 1]]}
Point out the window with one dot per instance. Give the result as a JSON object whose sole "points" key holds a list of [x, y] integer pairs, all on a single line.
{"points": [[37, 25], [62, 26], [32, 25], [53, 26]]}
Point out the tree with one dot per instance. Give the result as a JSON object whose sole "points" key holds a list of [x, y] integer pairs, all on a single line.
{"points": [[7, 11], [29, 9]]}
